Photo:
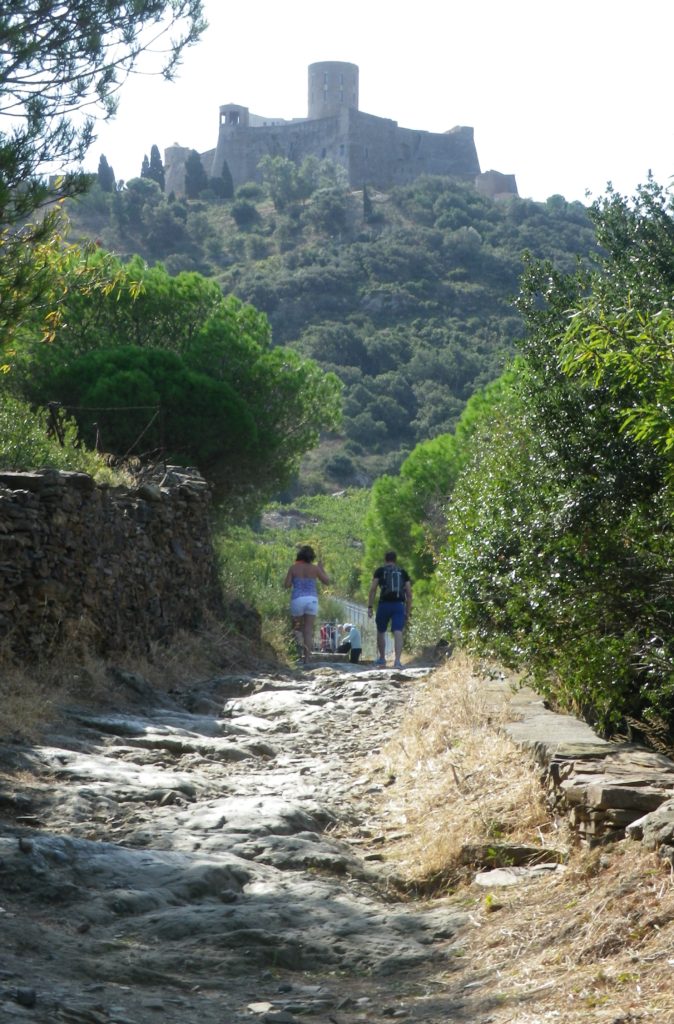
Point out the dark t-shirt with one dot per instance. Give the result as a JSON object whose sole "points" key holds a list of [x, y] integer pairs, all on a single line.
{"points": [[392, 579]]}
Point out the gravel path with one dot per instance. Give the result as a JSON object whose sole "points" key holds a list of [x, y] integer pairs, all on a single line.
{"points": [[177, 861]]}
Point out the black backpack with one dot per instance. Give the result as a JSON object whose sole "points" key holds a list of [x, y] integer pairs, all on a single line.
{"points": [[392, 583]]}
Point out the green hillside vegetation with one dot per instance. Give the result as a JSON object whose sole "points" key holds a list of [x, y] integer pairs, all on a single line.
{"points": [[405, 296]]}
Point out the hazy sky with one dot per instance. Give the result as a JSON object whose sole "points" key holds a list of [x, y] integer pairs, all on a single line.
{"points": [[566, 95]]}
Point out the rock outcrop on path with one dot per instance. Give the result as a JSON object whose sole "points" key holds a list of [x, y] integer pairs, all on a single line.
{"points": [[179, 861]]}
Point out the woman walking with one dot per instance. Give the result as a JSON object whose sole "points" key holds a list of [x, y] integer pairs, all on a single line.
{"points": [[301, 581]]}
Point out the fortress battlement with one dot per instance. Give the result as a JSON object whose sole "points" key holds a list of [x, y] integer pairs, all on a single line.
{"points": [[372, 150]]}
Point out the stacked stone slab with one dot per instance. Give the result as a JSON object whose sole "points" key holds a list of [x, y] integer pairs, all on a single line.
{"points": [[605, 789], [111, 567]]}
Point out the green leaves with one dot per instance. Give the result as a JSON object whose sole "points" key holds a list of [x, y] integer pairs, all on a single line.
{"points": [[560, 535], [201, 384], [58, 58]]}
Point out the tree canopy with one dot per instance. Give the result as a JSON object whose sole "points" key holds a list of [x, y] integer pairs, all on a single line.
{"points": [[410, 305], [560, 537], [168, 367]]}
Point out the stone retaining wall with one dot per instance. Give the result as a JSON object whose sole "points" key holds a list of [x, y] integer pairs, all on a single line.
{"points": [[605, 789], [111, 566]]}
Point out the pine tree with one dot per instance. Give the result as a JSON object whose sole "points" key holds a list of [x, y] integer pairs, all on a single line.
{"points": [[145, 168], [106, 175]]}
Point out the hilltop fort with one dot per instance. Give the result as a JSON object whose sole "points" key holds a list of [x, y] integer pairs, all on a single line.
{"points": [[372, 150]]}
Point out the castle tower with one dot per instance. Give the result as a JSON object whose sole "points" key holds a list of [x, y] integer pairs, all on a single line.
{"points": [[234, 116], [333, 87]]}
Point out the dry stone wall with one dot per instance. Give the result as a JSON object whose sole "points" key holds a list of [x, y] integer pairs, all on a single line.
{"points": [[111, 567], [605, 789]]}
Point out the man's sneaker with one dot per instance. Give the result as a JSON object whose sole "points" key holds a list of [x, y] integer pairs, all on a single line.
{"points": [[396, 664], [380, 662]]}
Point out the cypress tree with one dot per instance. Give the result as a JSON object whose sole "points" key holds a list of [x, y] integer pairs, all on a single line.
{"points": [[106, 175], [367, 206], [196, 179], [156, 171], [228, 182]]}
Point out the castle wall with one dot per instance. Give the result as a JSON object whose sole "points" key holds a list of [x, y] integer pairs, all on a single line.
{"points": [[383, 154], [373, 150], [243, 148], [496, 185]]}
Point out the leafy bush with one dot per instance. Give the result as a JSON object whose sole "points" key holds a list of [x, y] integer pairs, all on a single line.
{"points": [[560, 528], [144, 399], [202, 382]]}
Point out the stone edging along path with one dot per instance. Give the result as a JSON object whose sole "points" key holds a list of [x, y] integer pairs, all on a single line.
{"points": [[606, 789]]}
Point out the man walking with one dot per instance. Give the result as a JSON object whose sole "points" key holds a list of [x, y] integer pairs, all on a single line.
{"points": [[394, 606]]}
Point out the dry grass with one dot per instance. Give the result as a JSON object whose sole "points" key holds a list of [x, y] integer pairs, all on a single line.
{"points": [[459, 781], [32, 695], [594, 943], [193, 656]]}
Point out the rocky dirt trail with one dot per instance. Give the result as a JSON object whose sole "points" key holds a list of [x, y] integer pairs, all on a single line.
{"points": [[178, 861]]}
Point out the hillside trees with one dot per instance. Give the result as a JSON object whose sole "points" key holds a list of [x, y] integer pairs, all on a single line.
{"points": [[560, 528], [200, 383], [414, 313], [227, 181], [105, 175], [406, 511], [196, 179], [156, 167]]}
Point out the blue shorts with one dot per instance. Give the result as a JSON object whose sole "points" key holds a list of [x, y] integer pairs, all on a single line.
{"points": [[307, 605], [393, 612]]}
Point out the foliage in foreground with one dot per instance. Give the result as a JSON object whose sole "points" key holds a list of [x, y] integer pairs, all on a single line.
{"points": [[560, 529], [62, 65]]}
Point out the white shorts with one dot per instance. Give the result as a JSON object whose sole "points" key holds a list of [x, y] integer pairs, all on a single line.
{"points": [[304, 606]]}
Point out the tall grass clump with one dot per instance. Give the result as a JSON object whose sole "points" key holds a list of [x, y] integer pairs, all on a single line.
{"points": [[459, 780]]}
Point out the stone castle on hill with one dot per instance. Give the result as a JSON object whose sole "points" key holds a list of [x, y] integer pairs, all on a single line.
{"points": [[372, 150]]}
